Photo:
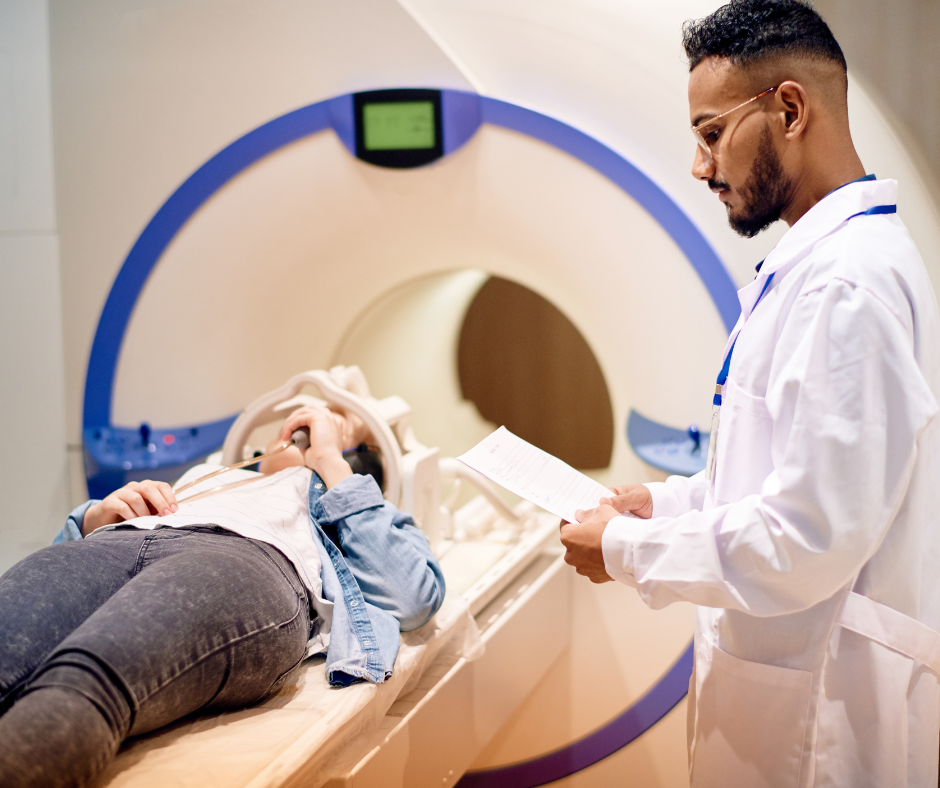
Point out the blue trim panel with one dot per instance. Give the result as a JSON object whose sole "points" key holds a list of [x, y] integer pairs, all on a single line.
{"points": [[125, 447], [616, 734], [666, 448], [116, 455]]}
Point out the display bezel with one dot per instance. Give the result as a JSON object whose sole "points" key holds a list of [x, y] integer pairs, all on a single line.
{"points": [[399, 158]]}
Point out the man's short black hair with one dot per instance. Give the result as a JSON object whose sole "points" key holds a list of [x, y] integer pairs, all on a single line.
{"points": [[745, 31]]}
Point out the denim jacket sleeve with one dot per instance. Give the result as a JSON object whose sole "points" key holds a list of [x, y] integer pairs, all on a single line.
{"points": [[389, 557], [72, 530], [379, 573]]}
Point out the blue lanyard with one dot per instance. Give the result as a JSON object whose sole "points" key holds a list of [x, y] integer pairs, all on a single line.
{"points": [[726, 367], [876, 210]]}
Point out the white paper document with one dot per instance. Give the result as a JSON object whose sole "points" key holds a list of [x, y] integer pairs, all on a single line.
{"points": [[534, 474]]}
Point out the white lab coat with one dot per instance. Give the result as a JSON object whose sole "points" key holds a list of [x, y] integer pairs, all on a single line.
{"points": [[827, 482]]}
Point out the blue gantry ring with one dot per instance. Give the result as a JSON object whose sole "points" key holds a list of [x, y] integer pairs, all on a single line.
{"points": [[606, 740]]}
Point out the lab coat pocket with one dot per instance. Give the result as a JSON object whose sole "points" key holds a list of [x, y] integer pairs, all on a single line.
{"points": [[743, 452], [750, 724]]}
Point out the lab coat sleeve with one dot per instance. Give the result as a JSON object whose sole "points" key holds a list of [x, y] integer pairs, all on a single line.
{"points": [[678, 495], [848, 402]]}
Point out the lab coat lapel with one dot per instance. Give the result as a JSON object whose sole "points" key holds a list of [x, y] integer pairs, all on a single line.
{"points": [[747, 297], [819, 221], [823, 219], [749, 294]]}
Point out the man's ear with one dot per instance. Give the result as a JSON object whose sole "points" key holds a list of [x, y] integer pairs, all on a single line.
{"points": [[793, 107]]}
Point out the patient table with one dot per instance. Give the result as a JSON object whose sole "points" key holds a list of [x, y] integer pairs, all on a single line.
{"points": [[456, 680]]}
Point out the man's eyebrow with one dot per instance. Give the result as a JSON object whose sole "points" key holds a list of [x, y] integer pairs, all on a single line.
{"points": [[700, 119]]}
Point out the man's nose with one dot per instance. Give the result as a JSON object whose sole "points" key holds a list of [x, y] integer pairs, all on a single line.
{"points": [[703, 166]]}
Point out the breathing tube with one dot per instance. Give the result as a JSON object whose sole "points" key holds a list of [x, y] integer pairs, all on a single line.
{"points": [[299, 438]]}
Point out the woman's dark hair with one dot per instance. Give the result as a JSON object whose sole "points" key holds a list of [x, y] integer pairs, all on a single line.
{"points": [[366, 460], [744, 31]]}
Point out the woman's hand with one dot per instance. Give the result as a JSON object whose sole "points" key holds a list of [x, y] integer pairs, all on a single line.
{"points": [[135, 499], [329, 431]]}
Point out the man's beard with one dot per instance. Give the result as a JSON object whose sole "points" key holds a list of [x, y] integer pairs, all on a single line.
{"points": [[765, 193]]}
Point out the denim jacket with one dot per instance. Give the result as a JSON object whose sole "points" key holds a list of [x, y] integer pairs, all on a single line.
{"points": [[376, 567]]}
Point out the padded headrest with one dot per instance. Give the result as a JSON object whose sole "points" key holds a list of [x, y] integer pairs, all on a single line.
{"points": [[388, 420]]}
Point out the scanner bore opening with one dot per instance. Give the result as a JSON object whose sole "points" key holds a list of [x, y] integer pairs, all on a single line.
{"points": [[525, 365], [470, 351]]}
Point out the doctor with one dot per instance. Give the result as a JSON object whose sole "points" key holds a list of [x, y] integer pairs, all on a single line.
{"points": [[811, 544]]}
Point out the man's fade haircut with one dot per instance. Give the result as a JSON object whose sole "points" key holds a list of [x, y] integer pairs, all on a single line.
{"points": [[748, 31]]}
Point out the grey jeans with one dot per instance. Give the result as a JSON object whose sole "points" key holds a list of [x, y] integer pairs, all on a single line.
{"points": [[129, 630]]}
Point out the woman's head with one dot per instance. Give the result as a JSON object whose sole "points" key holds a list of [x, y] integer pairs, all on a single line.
{"points": [[366, 460], [355, 442]]}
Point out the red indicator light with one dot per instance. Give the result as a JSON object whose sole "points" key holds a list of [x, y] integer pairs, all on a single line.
{"points": [[169, 439]]}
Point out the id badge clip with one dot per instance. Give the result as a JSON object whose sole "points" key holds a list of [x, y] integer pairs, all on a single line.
{"points": [[713, 438]]}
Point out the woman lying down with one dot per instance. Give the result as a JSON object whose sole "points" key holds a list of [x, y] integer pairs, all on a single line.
{"points": [[151, 609]]}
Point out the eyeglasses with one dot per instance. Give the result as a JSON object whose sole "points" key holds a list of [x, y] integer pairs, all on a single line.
{"points": [[700, 131]]}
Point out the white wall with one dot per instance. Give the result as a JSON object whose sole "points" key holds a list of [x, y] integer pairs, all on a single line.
{"points": [[892, 50], [33, 465]]}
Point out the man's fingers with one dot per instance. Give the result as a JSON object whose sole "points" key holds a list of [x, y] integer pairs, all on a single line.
{"points": [[594, 574], [633, 498]]}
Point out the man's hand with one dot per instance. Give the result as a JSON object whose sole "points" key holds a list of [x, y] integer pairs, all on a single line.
{"points": [[582, 541], [633, 498], [328, 429], [135, 499]]}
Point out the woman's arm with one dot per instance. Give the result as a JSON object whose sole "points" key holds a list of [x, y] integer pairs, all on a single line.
{"points": [[134, 499], [389, 557], [72, 530]]}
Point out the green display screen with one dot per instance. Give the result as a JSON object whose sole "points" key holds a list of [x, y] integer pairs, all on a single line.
{"points": [[398, 125]]}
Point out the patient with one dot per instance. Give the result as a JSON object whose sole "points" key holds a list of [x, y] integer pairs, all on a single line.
{"points": [[153, 608]]}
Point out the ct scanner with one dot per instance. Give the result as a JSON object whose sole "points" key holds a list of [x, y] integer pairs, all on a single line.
{"points": [[558, 160], [440, 122], [450, 120]]}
